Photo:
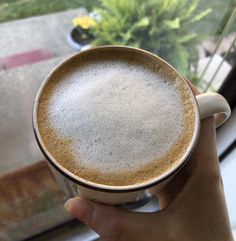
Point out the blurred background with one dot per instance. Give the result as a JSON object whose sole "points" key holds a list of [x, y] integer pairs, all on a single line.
{"points": [[197, 37]]}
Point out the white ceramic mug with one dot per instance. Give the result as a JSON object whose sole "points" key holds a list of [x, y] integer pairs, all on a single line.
{"points": [[205, 105]]}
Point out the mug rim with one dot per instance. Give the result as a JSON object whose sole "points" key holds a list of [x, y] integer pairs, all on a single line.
{"points": [[103, 187]]}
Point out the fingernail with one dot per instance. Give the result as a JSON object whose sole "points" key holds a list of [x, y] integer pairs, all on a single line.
{"points": [[68, 203], [80, 208]]}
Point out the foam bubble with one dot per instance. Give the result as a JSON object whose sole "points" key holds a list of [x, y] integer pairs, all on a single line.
{"points": [[118, 117]]}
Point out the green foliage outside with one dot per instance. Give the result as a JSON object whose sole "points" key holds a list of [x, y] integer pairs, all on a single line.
{"points": [[161, 27]]}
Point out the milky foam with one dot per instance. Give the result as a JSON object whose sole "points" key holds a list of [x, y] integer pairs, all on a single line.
{"points": [[118, 117]]}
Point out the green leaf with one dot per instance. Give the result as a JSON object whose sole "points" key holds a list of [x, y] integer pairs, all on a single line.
{"points": [[189, 12], [135, 44], [173, 24], [142, 23], [200, 16], [126, 36], [153, 31], [186, 38]]}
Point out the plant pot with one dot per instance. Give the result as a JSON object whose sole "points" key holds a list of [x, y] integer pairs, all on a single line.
{"points": [[78, 40]]}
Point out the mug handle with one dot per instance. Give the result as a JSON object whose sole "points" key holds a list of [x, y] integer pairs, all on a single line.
{"points": [[213, 104]]}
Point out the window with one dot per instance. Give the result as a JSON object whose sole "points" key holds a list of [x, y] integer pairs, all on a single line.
{"points": [[197, 39]]}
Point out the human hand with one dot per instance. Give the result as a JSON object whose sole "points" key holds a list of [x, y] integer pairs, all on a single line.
{"points": [[192, 205]]}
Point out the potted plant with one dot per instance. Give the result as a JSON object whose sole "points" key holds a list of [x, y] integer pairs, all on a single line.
{"points": [[165, 28], [81, 36]]}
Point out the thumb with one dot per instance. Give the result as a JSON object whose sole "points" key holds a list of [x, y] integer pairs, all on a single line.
{"points": [[111, 223]]}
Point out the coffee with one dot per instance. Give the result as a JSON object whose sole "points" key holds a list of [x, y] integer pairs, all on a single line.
{"points": [[116, 119]]}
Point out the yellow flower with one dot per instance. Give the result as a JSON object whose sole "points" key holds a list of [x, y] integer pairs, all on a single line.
{"points": [[85, 22]]}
